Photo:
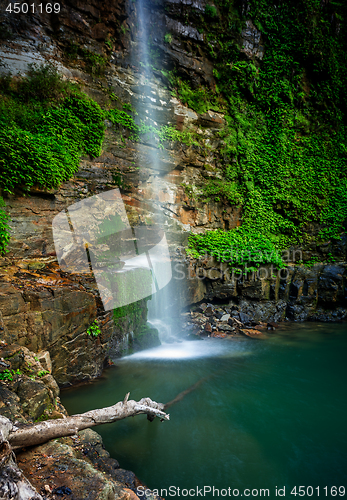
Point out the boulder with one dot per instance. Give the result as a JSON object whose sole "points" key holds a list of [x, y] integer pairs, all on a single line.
{"points": [[209, 310], [244, 318], [34, 397]]}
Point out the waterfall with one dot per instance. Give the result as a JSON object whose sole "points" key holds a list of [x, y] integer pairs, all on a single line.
{"points": [[160, 310]]}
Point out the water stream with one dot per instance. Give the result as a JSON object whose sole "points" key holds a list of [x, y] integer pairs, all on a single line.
{"points": [[265, 413]]}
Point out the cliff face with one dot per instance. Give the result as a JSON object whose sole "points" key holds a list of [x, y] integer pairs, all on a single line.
{"points": [[100, 48]]}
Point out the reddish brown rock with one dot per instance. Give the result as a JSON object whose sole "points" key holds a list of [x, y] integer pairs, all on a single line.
{"points": [[208, 327]]}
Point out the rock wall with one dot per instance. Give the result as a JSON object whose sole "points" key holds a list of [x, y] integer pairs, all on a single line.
{"points": [[78, 465], [295, 293], [44, 308]]}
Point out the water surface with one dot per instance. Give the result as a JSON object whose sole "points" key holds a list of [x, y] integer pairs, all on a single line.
{"points": [[266, 413]]}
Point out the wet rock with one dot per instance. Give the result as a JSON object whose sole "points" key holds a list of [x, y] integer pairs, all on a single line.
{"points": [[225, 317], [44, 358], [54, 320], [244, 318], [62, 490], [251, 41], [32, 392], [256, 289], [221, 290], [63, 470], [10, 406], [264, 310], [208, 327], [254, 334], [218, 334], [209, 310], [180, 29], [132, 495], [51, 383], [144, 338], [126, 477], [225, 327], [321, 314], [331, 285], [297, 312], [234, 322], [4, 365], [34, 397]]}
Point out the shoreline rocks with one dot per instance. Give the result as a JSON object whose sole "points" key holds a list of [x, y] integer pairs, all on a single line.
{"points": [[76, 467], [221, 321]]}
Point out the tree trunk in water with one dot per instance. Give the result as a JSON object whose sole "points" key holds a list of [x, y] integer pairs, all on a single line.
{"points": [[13, 485], [52, 429]]}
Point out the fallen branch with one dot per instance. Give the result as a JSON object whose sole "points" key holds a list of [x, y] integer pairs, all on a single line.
{"points": [[39, 433], [13, 485], [182, 394]]}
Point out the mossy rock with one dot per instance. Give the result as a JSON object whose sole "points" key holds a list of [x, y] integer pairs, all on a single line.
{"points": [[145, 337]]}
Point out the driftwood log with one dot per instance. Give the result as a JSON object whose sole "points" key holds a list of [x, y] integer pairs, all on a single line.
{"points": [[13, 485]]}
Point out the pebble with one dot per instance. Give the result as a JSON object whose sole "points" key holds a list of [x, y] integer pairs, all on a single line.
{"points": [[225, 317]]}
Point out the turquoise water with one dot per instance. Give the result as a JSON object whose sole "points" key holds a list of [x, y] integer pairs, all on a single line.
{"points": [[266, 414]]}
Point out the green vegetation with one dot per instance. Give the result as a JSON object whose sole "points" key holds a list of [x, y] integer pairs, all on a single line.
{"points": [[95, 64], [210, 11], [168, 133], [133, 318], [285, 155], [201, 99], [42, 373], [122, 118], [229, 190], [133, 310], [94, 329], [237, 247], [46, 125], [168, 38], [7, 375]]}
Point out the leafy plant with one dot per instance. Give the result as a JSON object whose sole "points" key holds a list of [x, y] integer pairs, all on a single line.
{"points": [[45, 126], [42, 83], [96, 63], [6, 375], [108, 44], [210, 11], [238, 246], [284, 143], [168, 38], [200, 99], [94, 329]]}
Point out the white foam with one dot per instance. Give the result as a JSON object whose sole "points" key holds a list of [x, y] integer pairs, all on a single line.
{"points": [[189, 350]]}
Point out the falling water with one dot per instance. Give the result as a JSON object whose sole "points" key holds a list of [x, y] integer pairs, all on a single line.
{"points": [[161, 310]]}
